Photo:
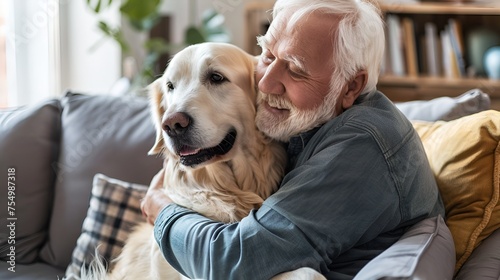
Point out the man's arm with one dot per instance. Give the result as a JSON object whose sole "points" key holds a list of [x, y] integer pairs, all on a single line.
{"points": [[201, 248], [341, 196]]}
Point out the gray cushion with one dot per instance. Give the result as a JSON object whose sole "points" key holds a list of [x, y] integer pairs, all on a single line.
{"points": [[484, 262], [446, 108], [425, 251], [29, 143], [101, 134]]}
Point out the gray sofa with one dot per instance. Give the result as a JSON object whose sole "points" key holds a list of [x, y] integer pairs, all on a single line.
{"points": [[55, 149]]}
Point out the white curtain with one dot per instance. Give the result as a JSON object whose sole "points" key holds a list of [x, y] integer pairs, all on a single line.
{"points": [[32, 48]]}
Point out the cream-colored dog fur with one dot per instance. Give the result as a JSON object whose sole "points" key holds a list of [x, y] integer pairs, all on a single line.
{"points": [[214, 85]]}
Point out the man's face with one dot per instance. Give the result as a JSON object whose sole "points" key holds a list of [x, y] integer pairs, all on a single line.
{"points": [[294, 74]]}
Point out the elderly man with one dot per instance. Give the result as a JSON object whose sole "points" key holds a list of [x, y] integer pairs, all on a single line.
{"points": [[357, 177]]}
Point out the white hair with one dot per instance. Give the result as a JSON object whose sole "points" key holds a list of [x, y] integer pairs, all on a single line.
{"points": [[359, 40]]}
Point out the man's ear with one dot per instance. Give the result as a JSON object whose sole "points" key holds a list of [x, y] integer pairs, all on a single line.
{"points": [[354, 88]]}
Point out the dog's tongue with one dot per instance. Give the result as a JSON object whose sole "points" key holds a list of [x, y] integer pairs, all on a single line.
{"points": [[186, 151]]}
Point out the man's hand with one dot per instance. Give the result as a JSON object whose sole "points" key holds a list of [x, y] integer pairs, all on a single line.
{"points": [[156, 199]]}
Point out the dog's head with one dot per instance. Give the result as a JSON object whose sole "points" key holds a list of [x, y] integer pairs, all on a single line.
{"points": [[204, 104]]}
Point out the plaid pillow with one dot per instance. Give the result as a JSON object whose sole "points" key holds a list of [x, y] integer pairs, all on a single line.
{"points": [[113, 212]]}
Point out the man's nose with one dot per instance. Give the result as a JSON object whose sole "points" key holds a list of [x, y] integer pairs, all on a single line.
{"points": [[272, 80]]}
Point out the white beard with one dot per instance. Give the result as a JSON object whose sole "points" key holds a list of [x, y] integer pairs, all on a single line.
{"points": [[298, 121]]}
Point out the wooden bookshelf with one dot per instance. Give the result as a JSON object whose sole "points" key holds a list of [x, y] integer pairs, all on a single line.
{"points": [[424, 86]]}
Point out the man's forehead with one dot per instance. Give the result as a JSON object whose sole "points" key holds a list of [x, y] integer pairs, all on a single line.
{"points": [[317, 23], [305, 42]]}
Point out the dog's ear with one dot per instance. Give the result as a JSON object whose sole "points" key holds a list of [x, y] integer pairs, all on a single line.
{"points": [[252, 65], [253, 61], [157, 111]]}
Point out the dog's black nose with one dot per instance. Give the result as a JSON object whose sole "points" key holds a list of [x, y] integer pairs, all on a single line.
{"points": [[176, 124]]}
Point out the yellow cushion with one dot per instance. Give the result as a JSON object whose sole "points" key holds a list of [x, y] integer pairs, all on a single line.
{"points": [[465, 157]]}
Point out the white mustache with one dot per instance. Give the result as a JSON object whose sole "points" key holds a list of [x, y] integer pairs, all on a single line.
{"points": [[277, 102]]}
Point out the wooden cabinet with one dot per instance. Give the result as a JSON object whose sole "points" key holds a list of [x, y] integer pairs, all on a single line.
{"points": [[474, 19]]}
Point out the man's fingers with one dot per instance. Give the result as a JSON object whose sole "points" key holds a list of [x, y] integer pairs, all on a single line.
{"points": [[142, 208], [157, 181], [148, 203]]}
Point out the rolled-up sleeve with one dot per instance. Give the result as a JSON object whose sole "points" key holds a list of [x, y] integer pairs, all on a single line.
{"points": [[201, 248]]}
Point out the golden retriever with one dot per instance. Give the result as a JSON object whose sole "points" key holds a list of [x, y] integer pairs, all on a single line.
{"points": [[216, 161]]}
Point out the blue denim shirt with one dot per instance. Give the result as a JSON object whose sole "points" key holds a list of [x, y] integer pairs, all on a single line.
{"points": [[358, 183]]}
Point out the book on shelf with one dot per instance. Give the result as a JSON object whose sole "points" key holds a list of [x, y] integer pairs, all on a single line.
{"points": [[401, 52], [395, 45], [457, 43], [385, 65], [448, 57], [452, 49], [410, 46], [431, 44], [434, 52]]}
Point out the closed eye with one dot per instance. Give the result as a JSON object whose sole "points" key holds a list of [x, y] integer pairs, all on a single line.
{"points": [[267, 57]]}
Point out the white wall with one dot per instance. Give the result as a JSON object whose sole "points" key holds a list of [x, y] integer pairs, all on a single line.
{"points": [[84, 69]]}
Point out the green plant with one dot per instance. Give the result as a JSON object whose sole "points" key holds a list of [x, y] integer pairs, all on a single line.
{"points": [[143, 15]]}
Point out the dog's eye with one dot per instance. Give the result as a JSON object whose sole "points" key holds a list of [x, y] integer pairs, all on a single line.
{"points": [[170, 86], [216, 78]]}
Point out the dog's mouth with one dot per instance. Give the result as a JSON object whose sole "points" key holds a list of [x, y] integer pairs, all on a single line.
{"points": [[190, 156]]}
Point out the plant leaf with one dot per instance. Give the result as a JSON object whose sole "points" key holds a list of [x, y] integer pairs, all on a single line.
{"points": [[139, 9], [146, 23], [159, 46], [98, 5], [194, 36], [115, 34], [104, 28], [213, 27], [208, 15]]}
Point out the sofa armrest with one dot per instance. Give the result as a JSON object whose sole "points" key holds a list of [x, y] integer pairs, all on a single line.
{"points": [[425, 251], [484, 261]]}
